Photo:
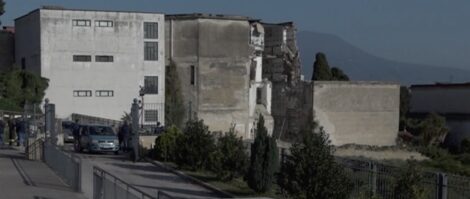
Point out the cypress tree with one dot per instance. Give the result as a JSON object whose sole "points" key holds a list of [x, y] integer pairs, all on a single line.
{"points": [[321, 69], [174, 108], [264, 160]]}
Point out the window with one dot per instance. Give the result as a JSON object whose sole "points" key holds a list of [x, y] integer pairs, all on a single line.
{"points": [[82, 58], [151, 115], [103, 23], [151, 51], [82, 93], [259, 93], [150, 30], [104, 58], [104, 93], [193, 74], [151, 84], [23, 63], [81, 22]]}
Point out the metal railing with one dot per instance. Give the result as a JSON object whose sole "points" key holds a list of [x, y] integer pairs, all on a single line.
{"points": [[375, 180], [67, 166], [106, 185]]}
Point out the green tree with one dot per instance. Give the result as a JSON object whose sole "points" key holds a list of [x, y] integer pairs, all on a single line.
{"points": [[229, 160], [432, 129], [264, 160], [195, 145], [20, 86], [2, 9], [321, 69], [311, 171], [465, 146], [408, 184], [338, 75], [165, 144], [174, 107]]}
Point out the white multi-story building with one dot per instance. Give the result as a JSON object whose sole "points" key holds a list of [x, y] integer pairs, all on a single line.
{"points": [[96, 61]]}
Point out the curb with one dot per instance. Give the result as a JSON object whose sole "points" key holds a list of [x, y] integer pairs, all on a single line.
{"points": [[190, 178]]}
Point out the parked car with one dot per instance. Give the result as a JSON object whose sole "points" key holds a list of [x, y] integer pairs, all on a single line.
{"points": [[96, 138]]}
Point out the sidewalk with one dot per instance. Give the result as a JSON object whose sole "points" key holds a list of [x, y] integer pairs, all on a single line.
{"points": [[150, 178], [21, 178]]}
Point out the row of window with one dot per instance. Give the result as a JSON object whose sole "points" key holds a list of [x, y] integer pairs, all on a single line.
{"points": [[98, 93], [150, 54], [98, 58], [150, 28]]}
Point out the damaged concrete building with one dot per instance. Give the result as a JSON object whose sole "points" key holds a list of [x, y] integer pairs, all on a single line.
{"points": [[291, 96], [219, 62]]}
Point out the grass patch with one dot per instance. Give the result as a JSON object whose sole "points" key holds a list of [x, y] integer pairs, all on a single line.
{"points": [[236, 187]]}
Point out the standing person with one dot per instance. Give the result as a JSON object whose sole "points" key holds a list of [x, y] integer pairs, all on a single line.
{"points": [[11, 129], [123, 136], [2, 130], [76, 134], [21, 131]]}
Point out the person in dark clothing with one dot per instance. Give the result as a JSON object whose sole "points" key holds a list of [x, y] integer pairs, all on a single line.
{"points": [[2, 130], [76, 133], [20, 131], [11, 129], [123, 136]]}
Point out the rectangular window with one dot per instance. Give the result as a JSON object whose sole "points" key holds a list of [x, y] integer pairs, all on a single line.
{"points": [[82, 93], [23, 63], [151, 115], [104, 23], [104, 58], [259, 93], [82, 58], [81, 22], [150, 30], [151, 84], [151, 51], [193, 74], [104, 93]]}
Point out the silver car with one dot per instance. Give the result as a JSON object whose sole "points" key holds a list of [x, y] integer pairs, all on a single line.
{"points": [[95, 138]]}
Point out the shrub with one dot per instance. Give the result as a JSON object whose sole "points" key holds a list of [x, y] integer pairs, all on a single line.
{"points": [[194, 146], [264, 160], [408, 184], [465, 146], [229, 161], [311, 171], [165, 144]]}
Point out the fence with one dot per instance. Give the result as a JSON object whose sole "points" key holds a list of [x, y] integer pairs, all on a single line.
{"points": [[374, 180], [106, 185], [67, 166]]}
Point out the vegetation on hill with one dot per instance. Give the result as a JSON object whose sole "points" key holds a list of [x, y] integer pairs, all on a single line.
{"points": [[323, 72]]}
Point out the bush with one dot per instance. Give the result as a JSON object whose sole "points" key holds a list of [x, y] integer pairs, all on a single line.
{"points": [[465, 146], [229, 161], [311, 171], [264, 160], [194, 146], [165, 144], [408, 184]]}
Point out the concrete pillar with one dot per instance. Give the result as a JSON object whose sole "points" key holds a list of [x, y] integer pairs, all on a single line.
{"points": [[50, 130], [373, 178], [135, 129]]}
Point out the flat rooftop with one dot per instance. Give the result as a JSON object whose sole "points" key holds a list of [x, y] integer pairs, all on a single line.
{"points": [[442, 85], [209, 16]]}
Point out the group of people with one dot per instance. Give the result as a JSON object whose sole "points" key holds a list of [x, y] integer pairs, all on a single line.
{"points": [[17, 126]]}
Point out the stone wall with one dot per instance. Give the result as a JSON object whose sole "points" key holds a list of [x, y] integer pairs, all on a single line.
{"points": [[364, 113]]}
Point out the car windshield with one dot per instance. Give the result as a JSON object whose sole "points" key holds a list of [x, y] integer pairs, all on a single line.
{"points": [[101, 130]]}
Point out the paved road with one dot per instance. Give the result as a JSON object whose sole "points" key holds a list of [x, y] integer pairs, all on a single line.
{"points": [[145, 176], [21, 178]]}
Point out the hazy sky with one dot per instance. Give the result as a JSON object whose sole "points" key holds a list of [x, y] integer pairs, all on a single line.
{"points": [[435, 32]]}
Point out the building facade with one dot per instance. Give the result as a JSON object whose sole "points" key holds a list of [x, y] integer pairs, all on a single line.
{"points": [[447, 100], [219, 62], [97, 62], [364, 113], [7, 49]]}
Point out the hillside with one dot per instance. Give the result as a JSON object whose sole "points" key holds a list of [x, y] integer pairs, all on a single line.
{"points": [[360, 65]]}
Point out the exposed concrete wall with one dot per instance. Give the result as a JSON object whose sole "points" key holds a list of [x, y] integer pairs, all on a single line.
{"points": [[7, 50], [220, 52], [364, 113], [49, 34]]}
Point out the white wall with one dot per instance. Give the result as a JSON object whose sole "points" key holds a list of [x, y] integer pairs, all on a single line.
{"points": [[60, 40]]}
